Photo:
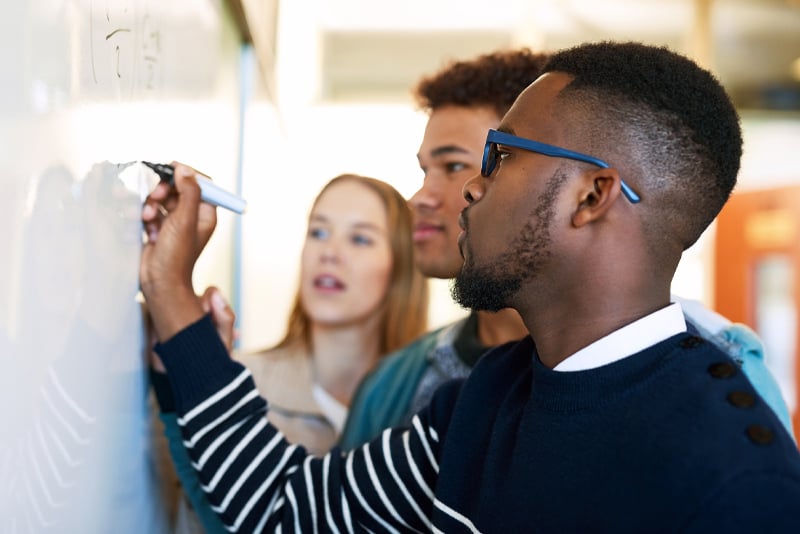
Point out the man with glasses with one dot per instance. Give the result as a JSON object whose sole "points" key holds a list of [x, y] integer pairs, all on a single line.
{"points": [[611, 416], [461, 105]]}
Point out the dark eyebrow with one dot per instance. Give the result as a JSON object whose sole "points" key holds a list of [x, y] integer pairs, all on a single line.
{"points": [[446, 149], [506, 129]]}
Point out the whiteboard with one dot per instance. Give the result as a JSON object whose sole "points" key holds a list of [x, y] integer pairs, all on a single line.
{"points": [[87, 87]]}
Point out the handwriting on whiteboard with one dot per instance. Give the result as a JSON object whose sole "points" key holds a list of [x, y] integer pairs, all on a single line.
{"points": [[124, 46]]}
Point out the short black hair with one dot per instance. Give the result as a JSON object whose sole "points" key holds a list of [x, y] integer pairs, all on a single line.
{"points": [[494, 80], [667, 121]]}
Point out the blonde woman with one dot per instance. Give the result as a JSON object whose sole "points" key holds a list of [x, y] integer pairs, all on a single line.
{"points": [[360, 297]]}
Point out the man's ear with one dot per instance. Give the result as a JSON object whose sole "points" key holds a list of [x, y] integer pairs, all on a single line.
{"points": [[600, 190]]}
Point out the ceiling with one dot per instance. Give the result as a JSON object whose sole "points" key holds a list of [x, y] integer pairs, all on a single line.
{"points": [[371, 52]]}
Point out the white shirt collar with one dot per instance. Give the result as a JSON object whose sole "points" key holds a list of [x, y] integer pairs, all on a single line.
{"points": [[335, 412], [628, 340]]}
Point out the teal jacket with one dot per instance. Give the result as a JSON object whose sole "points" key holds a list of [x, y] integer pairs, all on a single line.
{"points": [[396, 377], [188, 476]]}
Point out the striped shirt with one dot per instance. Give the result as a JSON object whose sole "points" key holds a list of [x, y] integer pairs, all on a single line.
{"points": [[257, 482], [671, 439]]}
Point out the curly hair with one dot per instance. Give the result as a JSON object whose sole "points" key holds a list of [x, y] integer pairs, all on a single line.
{"points": [[665, 121], [494, 79]]}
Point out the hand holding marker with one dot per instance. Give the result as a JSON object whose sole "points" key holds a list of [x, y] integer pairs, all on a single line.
{"points": [[209, 191]]}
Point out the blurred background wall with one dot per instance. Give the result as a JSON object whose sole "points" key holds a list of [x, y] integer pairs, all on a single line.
{"points": [[331, 94]]}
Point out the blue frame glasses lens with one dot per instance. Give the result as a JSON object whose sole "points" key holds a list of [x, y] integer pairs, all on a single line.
{"points": [[491, 155]]}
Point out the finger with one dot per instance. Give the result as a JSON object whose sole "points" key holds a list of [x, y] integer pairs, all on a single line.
{"points": [[151, 230], [161, 191], [154, 203], [156, 363], [149, 212], [205, 302], [184, 178], [153, 360], [187, 202], [207, 211], [205, 299], [151, 219], [153, 214], [223, 316]]}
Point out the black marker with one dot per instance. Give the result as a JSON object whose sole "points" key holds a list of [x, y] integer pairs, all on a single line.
{"points": [[209, 191]]}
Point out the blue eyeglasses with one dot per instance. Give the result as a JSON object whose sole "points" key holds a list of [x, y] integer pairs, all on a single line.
{"points": [[491, 155]]}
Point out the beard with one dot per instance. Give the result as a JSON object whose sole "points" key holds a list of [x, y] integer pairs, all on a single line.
{"points": [[493, 286]]}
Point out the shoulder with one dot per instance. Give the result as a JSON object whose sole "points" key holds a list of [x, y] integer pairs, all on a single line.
{"points": [[737, 422], [744, 347], [280, 373], [411, 360], [705, 425], [748, 351], [412, 355], [707, 321], [275, 359]]}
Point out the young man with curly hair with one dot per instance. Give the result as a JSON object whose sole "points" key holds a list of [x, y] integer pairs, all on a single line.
{"points": [[463, 101], [611, 416]]}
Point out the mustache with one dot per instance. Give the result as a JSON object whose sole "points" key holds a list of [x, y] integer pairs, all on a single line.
{"points": [[463, 218]]}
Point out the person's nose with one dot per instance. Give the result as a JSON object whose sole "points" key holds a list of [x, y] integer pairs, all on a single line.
{"points": [[331, 251], [473, 189], [427, 198]]}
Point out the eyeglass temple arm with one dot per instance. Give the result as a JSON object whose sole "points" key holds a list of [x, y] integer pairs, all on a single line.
{"points": [[629, 193]]}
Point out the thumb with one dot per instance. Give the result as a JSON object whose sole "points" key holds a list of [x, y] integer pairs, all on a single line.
{"points": [[221, 314]]}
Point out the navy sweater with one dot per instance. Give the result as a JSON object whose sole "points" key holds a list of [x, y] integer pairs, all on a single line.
{"points": [[671, 439]]}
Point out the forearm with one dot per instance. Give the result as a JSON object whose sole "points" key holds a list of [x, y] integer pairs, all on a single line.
{"points": [[198, 367], [172, 311], [256, 480]]}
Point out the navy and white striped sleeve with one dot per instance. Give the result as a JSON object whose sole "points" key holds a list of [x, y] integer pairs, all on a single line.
{"points": [[257, 482]]}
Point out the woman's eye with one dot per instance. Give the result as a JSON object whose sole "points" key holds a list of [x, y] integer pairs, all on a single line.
{"points": [[359, 239], [317, 233]]}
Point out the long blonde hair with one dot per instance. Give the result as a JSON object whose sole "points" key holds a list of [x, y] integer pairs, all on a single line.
{"points": [[405, 307]]}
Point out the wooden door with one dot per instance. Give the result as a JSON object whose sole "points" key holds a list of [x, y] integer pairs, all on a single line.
{"points": [[757, 278]]}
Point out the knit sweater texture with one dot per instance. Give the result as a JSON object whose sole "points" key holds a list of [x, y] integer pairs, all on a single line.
{"points": [[404, 381], [673, 438]]}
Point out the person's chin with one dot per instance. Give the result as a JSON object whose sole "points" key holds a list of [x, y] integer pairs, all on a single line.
{"points": [[437, 268]]}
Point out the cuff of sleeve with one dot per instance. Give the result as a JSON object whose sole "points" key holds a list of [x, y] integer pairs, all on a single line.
{"points": [[198, 364], [163, 391]]}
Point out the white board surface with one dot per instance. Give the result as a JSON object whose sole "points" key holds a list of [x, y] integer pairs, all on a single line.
{"points": [[88, 86]]}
